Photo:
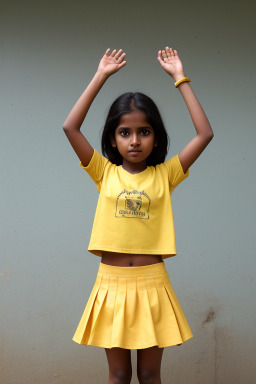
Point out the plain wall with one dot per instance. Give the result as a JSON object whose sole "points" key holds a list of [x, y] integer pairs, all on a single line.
{"points": [[48, 54]]}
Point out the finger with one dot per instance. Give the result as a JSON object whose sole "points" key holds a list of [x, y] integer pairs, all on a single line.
{"points": [[122, 64], [159, 56], [175, 53], [167, 49], [171, 52], [164, 56], [120, 59], [160, 61], [113, 53], [117, 55], [107, 52]]}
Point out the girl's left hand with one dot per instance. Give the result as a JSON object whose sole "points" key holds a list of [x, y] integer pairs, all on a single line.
{"points": [[171, 63]]}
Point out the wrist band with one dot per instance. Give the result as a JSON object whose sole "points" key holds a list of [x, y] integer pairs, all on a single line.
{"points": [[181, 81]]}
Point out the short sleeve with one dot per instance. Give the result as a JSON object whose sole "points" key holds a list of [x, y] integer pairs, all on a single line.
{"points": [[96, 167], [175, 172]]}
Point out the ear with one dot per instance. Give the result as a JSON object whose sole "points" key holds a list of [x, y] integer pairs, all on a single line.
{"points": [[112, 139], [155, 143]]}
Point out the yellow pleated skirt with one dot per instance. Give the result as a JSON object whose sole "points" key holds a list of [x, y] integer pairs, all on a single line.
{"points": [[132, 308]]}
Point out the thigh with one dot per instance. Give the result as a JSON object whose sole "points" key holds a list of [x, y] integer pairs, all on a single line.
{"points": [[119, 359], [149, 359]]}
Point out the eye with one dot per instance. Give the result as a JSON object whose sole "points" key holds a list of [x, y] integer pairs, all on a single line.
{"points": [[145, 132], [124, 133]]}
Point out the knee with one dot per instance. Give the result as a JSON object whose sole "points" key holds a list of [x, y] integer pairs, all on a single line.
{"points": [[121, 376], [148, 376]]}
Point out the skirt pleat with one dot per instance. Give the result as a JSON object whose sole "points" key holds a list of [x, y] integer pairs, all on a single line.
{"points": [[132, 308]]}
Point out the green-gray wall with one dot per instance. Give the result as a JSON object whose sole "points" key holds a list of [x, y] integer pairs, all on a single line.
{"points": [[49, 53]]}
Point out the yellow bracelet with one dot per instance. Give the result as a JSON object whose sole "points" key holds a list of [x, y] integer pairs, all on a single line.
{"points": [[181, 81]]}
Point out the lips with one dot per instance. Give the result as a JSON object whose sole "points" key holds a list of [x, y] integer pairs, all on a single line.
{"points": [[134, 151]]}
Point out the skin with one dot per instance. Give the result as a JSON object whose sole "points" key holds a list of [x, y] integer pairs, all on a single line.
{"points": [[135, 125]]}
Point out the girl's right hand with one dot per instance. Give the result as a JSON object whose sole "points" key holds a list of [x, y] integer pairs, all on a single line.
{"points": [[111, 62]]}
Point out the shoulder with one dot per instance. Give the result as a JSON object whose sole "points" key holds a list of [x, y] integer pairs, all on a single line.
{"points": [[174, 171], [96, 158], [97, 166], [168, 165]]}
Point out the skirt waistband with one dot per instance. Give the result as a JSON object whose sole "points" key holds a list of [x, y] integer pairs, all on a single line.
{"points": [[143, 270]]}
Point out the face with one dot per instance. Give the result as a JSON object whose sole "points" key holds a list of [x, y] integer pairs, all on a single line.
{"points": [[134, 139]]}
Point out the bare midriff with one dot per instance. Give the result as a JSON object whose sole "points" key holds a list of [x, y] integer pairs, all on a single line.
{"points": [[128, 259]]}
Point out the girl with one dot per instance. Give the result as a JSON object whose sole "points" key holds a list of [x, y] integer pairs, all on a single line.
{"points": [[132, 304]]}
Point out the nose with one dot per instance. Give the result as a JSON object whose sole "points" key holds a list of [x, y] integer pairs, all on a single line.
{"points": [[135, 140]]}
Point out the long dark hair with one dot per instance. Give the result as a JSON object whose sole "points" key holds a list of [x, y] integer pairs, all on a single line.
{"points": [[126, 103]]}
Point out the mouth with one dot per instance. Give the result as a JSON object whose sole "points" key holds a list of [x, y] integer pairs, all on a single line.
{"points": [[134, 151]]}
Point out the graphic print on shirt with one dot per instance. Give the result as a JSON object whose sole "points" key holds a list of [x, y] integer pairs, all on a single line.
{"points": [[133, 204]]}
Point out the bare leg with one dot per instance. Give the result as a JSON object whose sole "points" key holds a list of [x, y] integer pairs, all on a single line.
{"points": [[120, 365], [149, 365]]}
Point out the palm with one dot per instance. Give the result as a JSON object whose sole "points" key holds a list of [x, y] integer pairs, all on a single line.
{"points": [[111, 62], [170, 62]]}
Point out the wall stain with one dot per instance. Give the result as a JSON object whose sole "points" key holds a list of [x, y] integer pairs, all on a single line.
{"points": [[210, 317]]}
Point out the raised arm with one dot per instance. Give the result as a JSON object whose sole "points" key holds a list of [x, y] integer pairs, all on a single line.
{"points": [[171, 63], [110, 63]]}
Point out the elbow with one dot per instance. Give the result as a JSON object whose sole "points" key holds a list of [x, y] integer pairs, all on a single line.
{"points": [[65, 127], [206, 138], [69, 128], [209, 136]]}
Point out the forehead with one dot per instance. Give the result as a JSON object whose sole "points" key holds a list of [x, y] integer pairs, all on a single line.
{"points": [[133, 119]]}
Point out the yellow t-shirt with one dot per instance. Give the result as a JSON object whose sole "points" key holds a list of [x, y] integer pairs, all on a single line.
{"points": [[134, 211]]}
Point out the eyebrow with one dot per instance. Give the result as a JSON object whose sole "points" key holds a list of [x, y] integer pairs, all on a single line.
{"points": [[127, 128]]}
